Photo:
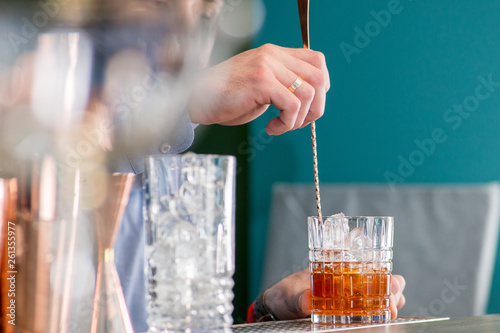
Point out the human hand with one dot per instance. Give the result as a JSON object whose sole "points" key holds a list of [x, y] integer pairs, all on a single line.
{"points": [[291, 298], [241, 88]]}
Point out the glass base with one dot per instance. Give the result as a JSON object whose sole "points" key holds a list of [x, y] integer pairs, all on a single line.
{"points": [[332, 318]]}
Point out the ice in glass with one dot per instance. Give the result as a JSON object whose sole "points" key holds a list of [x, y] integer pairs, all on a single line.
{"points": [[350, 266], [189, 213]]}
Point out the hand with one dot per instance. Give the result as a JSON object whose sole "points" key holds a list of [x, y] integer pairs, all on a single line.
{"points": [[240, 89], [291, 298]]}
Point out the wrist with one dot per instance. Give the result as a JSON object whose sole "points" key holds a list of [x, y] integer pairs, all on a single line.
{"points": [[261, 310]]}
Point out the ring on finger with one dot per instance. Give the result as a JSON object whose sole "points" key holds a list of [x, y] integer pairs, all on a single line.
{"points": [[296, 84]]}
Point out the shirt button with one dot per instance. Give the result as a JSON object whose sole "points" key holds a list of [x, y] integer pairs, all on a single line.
{"points": [[165, 148]]}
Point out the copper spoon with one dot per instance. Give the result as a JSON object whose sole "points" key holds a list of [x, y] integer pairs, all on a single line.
{"points": [[304, 28]]}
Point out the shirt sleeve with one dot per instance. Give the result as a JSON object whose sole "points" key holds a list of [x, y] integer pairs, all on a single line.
{"points": [[128, 157], [251, 314]]}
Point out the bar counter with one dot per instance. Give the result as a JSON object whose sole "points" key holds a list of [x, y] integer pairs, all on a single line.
{"points": [[483, 324]]}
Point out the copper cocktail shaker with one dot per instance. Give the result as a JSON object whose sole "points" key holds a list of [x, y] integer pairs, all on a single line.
{"points": [[8, 198]]}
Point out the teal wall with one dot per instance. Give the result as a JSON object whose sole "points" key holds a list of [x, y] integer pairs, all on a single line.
{"points": [[403, 86]]}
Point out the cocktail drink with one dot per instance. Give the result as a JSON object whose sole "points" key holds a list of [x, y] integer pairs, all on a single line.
{"points": [[350, 266]]}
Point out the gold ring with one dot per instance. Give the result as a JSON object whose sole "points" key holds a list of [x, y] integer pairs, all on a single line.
{"points": [[296, 84]]}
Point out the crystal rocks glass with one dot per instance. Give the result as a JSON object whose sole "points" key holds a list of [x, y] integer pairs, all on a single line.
{"points": [[350, 266], [189, 256]]}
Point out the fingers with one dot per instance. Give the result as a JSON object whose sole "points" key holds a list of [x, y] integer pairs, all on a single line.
{"points": [[288, 65], [291, 297], [398, 286], [313, 70], [304, 304], [393, 307], [305, 93], [304, 61], [294, 107], [290, 107], [398, 300], [317, 59], [401, 302], [241, 88]]}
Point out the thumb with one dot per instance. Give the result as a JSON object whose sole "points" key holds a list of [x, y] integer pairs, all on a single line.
{"points": [[304, 303]]}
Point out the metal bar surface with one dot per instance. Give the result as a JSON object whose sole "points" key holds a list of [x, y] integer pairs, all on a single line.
{"points": [[305, 325]]}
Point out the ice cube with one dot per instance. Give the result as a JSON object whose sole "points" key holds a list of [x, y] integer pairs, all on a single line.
{"points": [[328, 234], [358, 238], [333, 234], [356, 244], [334, 230], [193, 169], [353, 242], [338, 216], [354, 239], [188, 201], [191, 199]]}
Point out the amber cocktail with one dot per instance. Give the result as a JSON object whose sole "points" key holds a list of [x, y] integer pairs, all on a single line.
{"points": [[350, 265]]}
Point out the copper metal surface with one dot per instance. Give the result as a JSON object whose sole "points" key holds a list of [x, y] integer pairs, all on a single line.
{"points": [[47, 207], [8, 198]]}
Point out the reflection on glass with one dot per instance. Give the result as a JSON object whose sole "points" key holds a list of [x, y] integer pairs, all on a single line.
{"points": [[110, 312]]}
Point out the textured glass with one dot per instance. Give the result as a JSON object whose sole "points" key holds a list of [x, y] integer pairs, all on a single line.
{"points": [[350, 265], [189, 213]]}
